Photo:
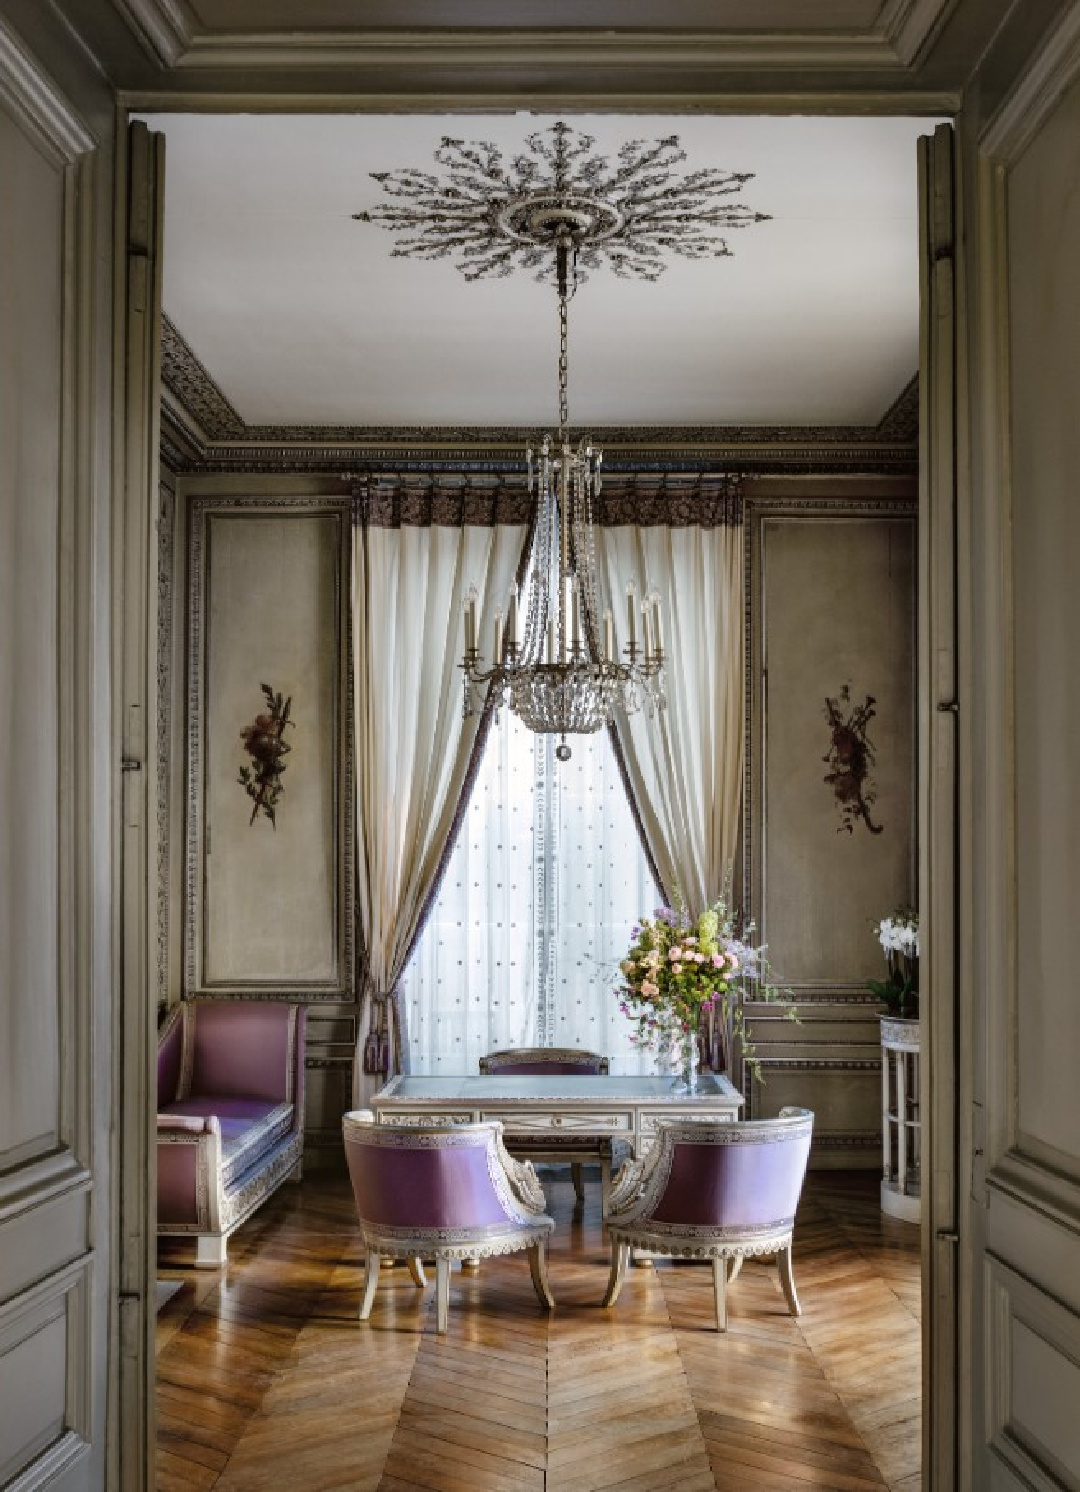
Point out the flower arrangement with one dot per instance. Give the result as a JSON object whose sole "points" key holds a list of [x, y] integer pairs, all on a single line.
{"points": [[681, 973], [899, 938]]}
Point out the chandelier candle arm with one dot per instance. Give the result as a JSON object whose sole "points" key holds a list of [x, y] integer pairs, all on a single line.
{"points": [[470, 622]]}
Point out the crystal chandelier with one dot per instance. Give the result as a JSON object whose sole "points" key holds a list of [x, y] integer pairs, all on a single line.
{"points": [[554, 662]]}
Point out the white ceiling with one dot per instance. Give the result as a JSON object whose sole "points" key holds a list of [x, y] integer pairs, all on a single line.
{"points": [[302, 316]]}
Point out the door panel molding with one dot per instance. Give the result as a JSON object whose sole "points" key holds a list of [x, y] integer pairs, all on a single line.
{"points": [[40, 1449], [1034, 1361]]}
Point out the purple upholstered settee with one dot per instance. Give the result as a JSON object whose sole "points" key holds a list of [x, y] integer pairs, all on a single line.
{"points": [[230, 1125]]}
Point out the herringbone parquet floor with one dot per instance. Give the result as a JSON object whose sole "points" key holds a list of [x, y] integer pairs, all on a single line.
{"points": [[267, 1380]]}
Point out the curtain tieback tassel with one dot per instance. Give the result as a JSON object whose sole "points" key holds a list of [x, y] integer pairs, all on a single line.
{"points": [[377, 1041]]}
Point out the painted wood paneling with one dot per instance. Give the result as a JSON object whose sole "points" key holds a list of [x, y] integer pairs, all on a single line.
{"points": [[31, 378], [55, 1204]]}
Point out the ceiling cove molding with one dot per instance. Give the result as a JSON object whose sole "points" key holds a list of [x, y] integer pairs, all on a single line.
{"points": [[909, 26], [169, 32], [38, 105], [163, 28], [579, 50], [202, 432]]}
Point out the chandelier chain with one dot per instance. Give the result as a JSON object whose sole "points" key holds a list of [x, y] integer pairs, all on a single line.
{"points": [[562, 251]]}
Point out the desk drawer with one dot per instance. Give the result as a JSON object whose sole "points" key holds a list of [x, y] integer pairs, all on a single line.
{"points": [[545, 1121], [419, 1117], [650, 1122]]}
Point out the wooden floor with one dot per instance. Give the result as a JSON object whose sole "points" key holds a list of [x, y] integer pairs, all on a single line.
{"points": [[266, 1379]]}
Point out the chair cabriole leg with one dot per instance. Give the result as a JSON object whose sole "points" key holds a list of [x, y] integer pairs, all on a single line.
{"points": [[620, 1255], [538, 1266], [736, 1268], [787, 1280], [416, 1269], [719, 1281], [442, 1294], [369, 1284]]}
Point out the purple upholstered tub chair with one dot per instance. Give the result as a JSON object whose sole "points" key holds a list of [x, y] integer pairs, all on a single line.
{"points": [[578, 1150], [444, 1192], [709, 1189], [230, 1124]]}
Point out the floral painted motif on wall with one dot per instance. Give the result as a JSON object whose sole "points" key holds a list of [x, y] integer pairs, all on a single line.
{"points": [[265, 743], [850, 760]]}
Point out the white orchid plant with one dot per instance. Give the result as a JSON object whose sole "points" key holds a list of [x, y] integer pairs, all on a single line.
{"points": [[899, 938]]}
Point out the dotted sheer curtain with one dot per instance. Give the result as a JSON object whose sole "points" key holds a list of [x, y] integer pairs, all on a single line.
{"points": [[540, 895]]}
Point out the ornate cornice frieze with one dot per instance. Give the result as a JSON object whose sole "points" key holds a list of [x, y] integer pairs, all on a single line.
{"points": [[449, 498], [202, 432]]}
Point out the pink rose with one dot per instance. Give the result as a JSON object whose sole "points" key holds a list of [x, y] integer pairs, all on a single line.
{"points": [[676, 968]]}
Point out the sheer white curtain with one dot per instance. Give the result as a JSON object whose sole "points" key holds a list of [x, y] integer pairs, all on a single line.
{"points": [[412, 745], [685, 767], [535, 910]]}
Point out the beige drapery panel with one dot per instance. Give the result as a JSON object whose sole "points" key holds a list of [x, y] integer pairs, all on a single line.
{"points": [[685, 766], [413, 748]]}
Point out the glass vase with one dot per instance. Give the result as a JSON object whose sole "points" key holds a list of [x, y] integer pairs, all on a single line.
{"points": [[689, 1054]]}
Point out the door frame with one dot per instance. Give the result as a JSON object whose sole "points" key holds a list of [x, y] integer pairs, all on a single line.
{"points": [[946, 1081]]}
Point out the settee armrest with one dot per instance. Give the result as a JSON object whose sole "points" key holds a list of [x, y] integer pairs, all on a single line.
{"points": [[189, 1168], [191, 1124]]}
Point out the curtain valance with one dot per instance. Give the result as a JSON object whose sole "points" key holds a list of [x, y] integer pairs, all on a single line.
{"points": [[447, 499]]}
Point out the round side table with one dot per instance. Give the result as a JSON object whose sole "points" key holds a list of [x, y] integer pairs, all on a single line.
{"points": [[900, 1129]]}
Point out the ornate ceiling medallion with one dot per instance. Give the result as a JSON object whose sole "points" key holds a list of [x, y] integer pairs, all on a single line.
{"points": [[492, 217]]}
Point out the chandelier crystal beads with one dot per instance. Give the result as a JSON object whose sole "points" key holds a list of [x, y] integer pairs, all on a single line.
{"points": [[563, 210]]}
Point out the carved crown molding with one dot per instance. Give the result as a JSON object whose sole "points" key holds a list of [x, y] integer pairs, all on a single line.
{"points": [[202, 432]]}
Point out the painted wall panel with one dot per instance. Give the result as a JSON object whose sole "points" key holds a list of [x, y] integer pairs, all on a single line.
{"points": [[31, 366], [270, 907], [831, 605], [1043, 206], [837, 610]]}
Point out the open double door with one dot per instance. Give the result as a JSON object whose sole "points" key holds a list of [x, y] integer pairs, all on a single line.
{"points": [[999, 807]]}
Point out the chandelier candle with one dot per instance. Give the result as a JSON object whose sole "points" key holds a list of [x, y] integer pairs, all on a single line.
{"points": [[563, 210]]}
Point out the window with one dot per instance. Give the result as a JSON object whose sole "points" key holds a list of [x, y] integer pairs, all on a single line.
{"points": [[540, 895]]}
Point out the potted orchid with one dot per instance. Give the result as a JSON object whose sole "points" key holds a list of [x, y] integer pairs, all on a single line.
{"points": [[683, 976], [899, 939]]}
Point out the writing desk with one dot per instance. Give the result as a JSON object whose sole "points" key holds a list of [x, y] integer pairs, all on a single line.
{"points": [[544, 1107]]}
